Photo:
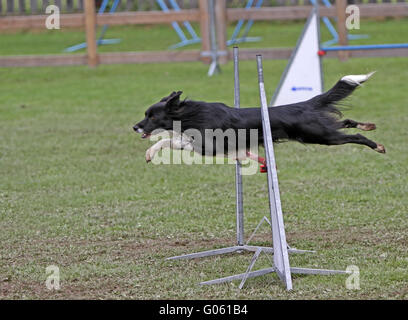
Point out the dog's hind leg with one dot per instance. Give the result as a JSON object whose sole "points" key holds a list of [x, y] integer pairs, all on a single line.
{"points": [[263, 168], [348, 123], [340, 138], [255, 157]]}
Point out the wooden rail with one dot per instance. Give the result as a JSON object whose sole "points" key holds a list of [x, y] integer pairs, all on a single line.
{"points": [[173, 56], [77, 20]]}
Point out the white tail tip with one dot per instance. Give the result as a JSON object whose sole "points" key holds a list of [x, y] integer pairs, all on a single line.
{"points": [[357, 79]]}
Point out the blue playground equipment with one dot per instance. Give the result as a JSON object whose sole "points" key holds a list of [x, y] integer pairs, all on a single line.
{"points": [[234, 38], [326, 46], [184, 41], [100, 40], [332, 29]]}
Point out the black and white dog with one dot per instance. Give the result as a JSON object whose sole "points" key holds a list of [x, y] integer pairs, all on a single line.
{"points": [[315, 121]]}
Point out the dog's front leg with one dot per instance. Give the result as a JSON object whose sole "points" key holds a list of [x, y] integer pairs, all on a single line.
{"points": [[175, 143], [150, 153]]}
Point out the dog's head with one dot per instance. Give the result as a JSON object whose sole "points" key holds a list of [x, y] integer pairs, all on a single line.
{"points": [[158, 116]]}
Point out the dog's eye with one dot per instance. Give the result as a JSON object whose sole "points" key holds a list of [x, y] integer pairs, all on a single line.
{"points": [[152, 118]]}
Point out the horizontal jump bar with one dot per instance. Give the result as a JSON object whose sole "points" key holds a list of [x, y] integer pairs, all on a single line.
{"points": [[367, 47]]}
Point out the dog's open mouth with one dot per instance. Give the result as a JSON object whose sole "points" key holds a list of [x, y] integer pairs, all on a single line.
{"points": [[145, 135]]}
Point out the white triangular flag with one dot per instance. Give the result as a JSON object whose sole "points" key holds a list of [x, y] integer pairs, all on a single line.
{"points": [[302, 78]]}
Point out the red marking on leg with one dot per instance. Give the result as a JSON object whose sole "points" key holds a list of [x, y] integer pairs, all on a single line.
{"points": [[262, 168]]}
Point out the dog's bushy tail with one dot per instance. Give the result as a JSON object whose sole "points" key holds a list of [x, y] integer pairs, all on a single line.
{"points": [[341, 90]]}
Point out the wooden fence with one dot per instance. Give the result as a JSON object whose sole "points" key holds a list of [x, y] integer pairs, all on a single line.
{"points": [[90, 20], [32, 7]]}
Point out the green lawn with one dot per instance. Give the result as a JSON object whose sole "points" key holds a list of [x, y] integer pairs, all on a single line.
{"points": [[75, 190]]}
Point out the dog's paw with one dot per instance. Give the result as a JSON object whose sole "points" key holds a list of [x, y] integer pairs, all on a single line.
{"points": [[366, 126], [150, 154], [380, 148]]}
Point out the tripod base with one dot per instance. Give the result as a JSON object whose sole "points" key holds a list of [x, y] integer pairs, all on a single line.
{"points": [[250, 274]]}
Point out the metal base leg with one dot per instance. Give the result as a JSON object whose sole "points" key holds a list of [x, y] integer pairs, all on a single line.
{"points": [[226, 250], [265, 219], [207, 253], [262, 272], [251, 265]]}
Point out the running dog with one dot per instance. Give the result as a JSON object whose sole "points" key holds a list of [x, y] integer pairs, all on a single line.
{"points": [[315, 121]]}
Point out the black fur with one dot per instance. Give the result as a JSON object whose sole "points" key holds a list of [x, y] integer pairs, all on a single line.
{"points": [[315, 121]]}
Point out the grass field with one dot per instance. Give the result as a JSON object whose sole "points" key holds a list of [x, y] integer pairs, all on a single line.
{"points": [[75, 190]]}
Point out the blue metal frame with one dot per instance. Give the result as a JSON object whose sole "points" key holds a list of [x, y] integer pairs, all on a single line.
{"points": [[184, 40], [326, 45], [105, 27], [234, 38], [367, 47]]}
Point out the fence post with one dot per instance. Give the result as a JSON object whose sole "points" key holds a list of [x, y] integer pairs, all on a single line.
{"points": [[10, 6], [204, 29], [90, 28], [45, 4], [221, 27], [21, 6], [341, 27]]}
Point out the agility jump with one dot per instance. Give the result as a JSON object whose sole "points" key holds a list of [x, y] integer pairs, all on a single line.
{"points": [[312, 121]]}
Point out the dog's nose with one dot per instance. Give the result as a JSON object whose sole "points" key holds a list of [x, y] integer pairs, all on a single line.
{"points": [[135, 128]]}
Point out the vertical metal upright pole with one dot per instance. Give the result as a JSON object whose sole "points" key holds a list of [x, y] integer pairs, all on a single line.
{"points": [[280, 247], [238, 176]]}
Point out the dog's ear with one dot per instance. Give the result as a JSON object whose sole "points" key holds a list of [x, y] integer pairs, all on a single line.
{"points": [[173, 100], [168, 97]]}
